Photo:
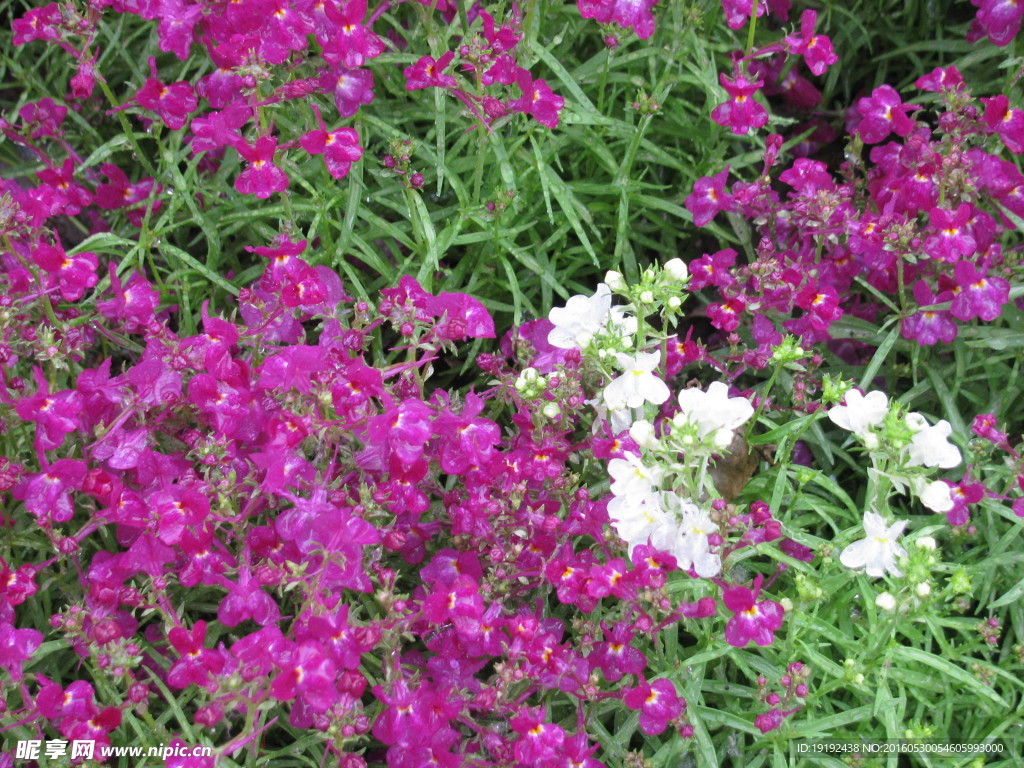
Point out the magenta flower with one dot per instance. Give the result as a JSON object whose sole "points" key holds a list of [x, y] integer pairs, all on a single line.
{"points": [[754, 620], [178, 19], [307, 673], [350, 42], [929, 326], [977, 295], [38, 24], [121, 193], [17, 647], [769, 721], [407, 715], [351, 88], [986, 427], [952, 238], [429, 73], [816, 49], [340, 149], [538, 100], [73, 275], [48, 494], [43, 118], [196, 665], [882, 113], [742, 112], [999, 19], [737, 12], [658, 703], [55, 415], [69, 198], [503, 70], [963, 494], [725, 316], [808, 177], [134, 303], [17, 584], [629, 14], [940, 80], [538, 741], [284, 30], [246, 600], [615, 657], [708, 198], [262, 178], [1007, 123], [219, 129], [223, 86], [173, 103], [77, 701], [821, 306]]}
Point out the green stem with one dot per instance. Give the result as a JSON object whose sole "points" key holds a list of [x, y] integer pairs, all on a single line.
{"points": [[764, 399], [752, 27], [604, 82], [125, 127]]}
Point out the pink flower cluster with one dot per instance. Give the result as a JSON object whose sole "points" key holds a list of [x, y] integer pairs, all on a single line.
{"points": [[763, 69], [275, 512], [260, 54], [920, 222], [489, 57]]}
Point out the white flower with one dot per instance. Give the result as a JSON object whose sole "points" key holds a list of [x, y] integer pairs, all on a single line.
{"points": [[714, 413], [878, 550], [638, 385], [631, 478], [860, 414], [580, 319], [638, 520], [692, 550], [934, 495], [929, 446], [676, 269], [620, 420], [643, 433]]}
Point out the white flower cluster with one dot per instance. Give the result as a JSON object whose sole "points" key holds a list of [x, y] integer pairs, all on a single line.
{"points": [[642, 513], [642, 510], [929, 447], [583, 318]]}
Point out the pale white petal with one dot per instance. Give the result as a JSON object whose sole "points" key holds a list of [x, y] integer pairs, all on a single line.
{"points": [[856, 554]]}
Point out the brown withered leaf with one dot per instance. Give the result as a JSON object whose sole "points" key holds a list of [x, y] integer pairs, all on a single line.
{"points": [[733, 470]]}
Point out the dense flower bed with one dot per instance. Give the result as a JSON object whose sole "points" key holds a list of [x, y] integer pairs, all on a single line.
{"points": [[685, 510]]}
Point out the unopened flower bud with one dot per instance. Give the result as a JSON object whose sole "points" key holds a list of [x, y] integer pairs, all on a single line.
{"points": [[925, 542], [676, 269], [551, 410], [923, 589], [614, 280], [674, 302], [886, 602]]}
